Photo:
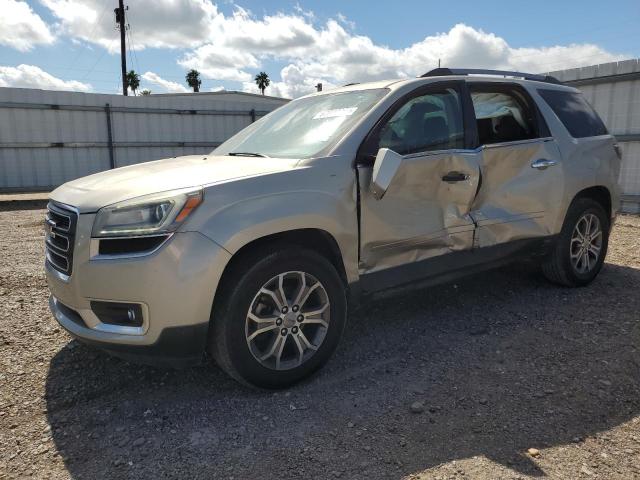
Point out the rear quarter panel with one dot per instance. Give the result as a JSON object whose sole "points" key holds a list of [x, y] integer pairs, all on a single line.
{"points": [[587, 162]]}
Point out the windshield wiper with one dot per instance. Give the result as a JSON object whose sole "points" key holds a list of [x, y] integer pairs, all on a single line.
{"points": [[246, 154]]}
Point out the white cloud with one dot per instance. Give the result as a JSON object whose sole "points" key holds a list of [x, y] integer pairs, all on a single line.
{"points": [[338, 57], [221, 63], [343, 19], [272, 34], [333, 55], [234, 47], [154, 23], [305, 13], [546, 59], [165, 85], [21, 28], [30, 76]]}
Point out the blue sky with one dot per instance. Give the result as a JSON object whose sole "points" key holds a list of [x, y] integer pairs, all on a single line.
{"points": [[72, 44]]}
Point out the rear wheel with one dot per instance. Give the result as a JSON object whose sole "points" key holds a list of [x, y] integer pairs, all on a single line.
{"points": [[581, 247], [279, 317]]}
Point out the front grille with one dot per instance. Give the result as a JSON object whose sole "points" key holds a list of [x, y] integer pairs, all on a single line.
{"points": [[60, 226]]}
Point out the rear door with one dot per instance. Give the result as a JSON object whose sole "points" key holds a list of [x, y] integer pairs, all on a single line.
{"points": [[425, 211], [522, 180]]}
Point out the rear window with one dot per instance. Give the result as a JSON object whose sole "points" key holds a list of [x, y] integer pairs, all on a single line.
{"points": [[575, 113]]}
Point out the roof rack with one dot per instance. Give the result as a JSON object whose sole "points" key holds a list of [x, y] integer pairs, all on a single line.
{"points": [[439, 72]]}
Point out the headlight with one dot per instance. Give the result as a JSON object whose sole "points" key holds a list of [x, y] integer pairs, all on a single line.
{"points": [[151, 214]]}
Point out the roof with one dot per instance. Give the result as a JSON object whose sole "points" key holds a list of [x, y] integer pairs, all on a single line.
{"points": [[442, 72], [452, 74]]}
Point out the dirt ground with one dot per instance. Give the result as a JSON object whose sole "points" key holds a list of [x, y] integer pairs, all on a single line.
{"points": [[498, 364]]}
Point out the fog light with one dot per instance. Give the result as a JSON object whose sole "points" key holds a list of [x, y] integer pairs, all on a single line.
{"points": [[114, 313]]}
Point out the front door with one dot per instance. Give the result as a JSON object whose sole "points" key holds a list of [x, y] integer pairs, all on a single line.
{"points": [[425, 211]]}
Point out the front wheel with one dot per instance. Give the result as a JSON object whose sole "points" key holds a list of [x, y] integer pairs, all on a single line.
{"points": [[581, 247], [280, 317]]}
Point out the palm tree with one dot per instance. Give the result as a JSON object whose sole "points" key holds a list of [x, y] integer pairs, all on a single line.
{"points": [[146, 92], [193, 80], [262, 80], [133, 80]]}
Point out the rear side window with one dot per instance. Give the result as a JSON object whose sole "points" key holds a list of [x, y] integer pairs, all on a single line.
{"points": [[503, 114], [579, 118]]}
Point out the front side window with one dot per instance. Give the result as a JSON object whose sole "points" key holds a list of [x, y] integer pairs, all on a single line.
{"points": [[428, 122], [579, 118], [502, 115], [303, 128]]}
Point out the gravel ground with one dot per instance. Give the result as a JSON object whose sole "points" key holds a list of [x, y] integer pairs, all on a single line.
{"points": [[500, 375]]}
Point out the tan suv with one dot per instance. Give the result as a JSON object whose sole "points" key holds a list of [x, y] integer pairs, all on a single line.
{"points": [[252, 252]]}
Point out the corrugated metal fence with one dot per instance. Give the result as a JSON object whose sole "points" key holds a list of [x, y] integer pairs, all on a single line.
{"points": [[50, 137], [614, 91]]}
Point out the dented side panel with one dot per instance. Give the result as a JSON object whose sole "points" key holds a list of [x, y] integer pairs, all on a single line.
{"points": [[515, 200], [420, 216]]}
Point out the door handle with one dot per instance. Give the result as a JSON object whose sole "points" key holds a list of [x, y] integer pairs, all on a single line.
{"points": [[455, 177], [543, 163]]}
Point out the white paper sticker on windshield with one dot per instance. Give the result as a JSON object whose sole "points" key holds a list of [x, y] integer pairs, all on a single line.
{"points": [[336, 112]]}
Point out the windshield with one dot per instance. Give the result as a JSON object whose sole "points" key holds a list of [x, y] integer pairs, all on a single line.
{"points": [[302, 128]]}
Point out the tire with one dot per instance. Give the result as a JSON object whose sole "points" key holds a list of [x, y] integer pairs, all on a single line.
{"points": [[560, 267], [232, 326]]}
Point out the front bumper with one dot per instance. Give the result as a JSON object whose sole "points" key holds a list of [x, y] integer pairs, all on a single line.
{"points": [[175, 285], [176, 346]]}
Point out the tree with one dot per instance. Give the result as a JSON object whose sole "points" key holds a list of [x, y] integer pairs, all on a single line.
{"points": [[193, 80], [262, 80], [146, 92], [133, 80]]}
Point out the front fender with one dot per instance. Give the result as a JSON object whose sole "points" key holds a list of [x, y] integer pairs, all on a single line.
{"points": [[246, 220]]}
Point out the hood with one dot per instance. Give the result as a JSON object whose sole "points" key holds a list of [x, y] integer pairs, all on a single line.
{"points": [[89, 194]]}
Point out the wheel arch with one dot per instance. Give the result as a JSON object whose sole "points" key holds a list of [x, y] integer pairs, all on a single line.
{"points": [[598, 193], [314, 239]]}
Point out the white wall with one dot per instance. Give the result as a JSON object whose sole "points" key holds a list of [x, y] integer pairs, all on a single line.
{"points": [[29, 127]]}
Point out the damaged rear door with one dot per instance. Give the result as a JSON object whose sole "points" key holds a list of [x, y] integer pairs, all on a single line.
{"points": [[522, 178], [427, 180]]}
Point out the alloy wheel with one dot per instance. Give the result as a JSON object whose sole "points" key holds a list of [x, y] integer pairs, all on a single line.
{"points": [[288, 320], [586, 243]]}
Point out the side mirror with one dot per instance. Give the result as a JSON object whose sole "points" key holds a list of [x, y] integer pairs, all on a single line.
{"points": [[384, 169]]}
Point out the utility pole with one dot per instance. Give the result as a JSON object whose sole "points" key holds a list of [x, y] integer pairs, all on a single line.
{"points": [[123, 51]]}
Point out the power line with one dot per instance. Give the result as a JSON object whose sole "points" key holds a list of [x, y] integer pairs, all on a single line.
{"points": [[132, 47], [81, 51], [131, 62], [98, 60]]}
